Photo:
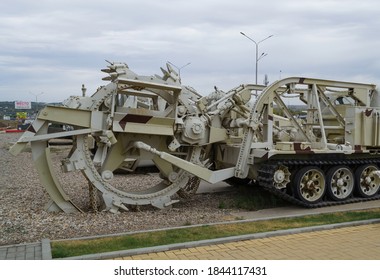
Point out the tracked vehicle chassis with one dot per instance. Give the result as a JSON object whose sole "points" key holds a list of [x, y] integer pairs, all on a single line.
{"points": [[267, 174], [322, 154]]}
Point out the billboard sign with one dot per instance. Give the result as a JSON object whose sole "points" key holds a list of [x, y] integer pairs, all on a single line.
{"points": [[23, 105]]}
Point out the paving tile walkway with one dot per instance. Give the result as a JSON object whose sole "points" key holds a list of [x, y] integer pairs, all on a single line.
{"points": [[29, 251], [347, 243]]}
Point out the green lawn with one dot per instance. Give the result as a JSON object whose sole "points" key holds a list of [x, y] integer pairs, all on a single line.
{"points": [[70, 248]]}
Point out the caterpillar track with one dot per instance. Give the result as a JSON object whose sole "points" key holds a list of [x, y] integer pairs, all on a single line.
{"points": [[267, 174]]}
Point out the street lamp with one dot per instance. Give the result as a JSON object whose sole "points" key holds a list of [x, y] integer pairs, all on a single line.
{"points": [[179, 68], [36, 95], [257, 49]]}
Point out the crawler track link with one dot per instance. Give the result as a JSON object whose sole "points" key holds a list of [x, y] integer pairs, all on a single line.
{"points": [[266, 174]]}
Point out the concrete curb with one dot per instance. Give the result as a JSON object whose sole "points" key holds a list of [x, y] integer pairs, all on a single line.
{"points": [[46, 249], [176, 246]]}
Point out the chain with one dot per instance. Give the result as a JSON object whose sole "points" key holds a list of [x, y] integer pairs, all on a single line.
{"points": [[125, 197], [191, 187], [93, 194], [192, 184]]}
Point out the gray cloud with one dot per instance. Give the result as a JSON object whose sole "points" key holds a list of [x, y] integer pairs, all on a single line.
{"points": [[55, 46]]}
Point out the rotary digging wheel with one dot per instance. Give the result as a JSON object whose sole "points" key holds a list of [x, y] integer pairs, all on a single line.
{"points": [[110, 190]]}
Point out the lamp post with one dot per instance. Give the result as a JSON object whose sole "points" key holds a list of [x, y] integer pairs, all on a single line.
{"points": [[179, 68], [36, 95], [257, 50]]}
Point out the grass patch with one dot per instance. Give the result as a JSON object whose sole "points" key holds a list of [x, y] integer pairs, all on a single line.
{"points": [[68, 248]]}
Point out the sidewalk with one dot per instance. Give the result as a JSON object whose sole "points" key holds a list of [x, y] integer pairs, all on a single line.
{"points": [[347, 243], [30, 251]]}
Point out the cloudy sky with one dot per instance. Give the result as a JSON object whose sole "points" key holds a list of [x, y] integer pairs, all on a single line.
{"points": [[53, 47]]}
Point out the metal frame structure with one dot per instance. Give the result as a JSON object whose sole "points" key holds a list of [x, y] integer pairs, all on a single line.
{"points": [[328, 153]]}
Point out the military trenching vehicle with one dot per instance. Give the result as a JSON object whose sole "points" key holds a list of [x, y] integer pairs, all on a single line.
{"points": [[324, 155]]}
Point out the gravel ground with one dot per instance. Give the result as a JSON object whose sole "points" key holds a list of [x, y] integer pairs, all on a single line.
{"points": [[23, 199]]}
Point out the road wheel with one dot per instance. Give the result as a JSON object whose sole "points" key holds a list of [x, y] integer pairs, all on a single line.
{"points": [[310, 184], [367, 179], [340, 182]]}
